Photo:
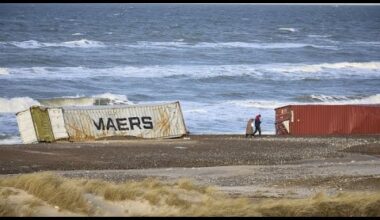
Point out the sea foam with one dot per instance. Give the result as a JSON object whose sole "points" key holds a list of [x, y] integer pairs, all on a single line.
{"points": [[22, 103], [16, 104], [287, 29], [4, 71], [273, 71], [252, 45], [33, 44]]}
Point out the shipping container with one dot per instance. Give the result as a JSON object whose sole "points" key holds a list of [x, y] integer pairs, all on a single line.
{"points": [[327, 119], [48, 124], [145, 121]]}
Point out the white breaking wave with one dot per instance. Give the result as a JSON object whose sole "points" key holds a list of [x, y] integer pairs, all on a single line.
{"points": [[11, 140], [16, 104], [288, 29], [373, 99], [4, 71], [260, 104], [327, 98], [77, 34], [312, 68], [115, 99], [368, 43], [179, 45], [67, 101], [84, 43], [149, 44], [259, 45], [318, 36], [320, 99], [275, 71], [78, 100], [32, 44]]}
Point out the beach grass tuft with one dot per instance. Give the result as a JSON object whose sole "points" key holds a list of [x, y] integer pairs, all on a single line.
{"points": [[180, 198]]}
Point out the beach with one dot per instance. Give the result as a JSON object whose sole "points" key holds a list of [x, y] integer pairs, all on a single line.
{"points": [[234, 163], [260, 168]]}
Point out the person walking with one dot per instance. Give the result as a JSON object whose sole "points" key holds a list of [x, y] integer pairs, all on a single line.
{"points": [[249, 129], [257, 125]]}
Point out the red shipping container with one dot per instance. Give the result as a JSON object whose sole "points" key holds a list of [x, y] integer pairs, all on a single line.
{"points": [[327, 119]]}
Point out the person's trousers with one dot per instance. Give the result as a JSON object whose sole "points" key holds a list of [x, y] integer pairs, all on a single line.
{"points": [[257, 129]]}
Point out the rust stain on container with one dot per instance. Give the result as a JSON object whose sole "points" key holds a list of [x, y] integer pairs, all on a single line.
{"points": [[80, 133], [163, 123], [327, 119]]}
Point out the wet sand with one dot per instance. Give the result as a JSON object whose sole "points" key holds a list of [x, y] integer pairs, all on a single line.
{"points": [[268, 166]]}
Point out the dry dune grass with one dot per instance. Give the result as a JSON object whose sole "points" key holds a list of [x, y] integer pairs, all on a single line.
{"points": [[20, 208], [181, 198], [343, 204], [50, 188], [7, 209]]}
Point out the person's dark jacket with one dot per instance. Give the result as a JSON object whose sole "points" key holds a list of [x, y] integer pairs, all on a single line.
{"points": [[257, 121]]}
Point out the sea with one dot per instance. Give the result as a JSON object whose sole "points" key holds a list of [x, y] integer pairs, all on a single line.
{"points": [[225, 63]]}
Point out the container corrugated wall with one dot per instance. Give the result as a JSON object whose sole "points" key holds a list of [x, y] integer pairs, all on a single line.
{"points": [[328, 119], [145, 121]]}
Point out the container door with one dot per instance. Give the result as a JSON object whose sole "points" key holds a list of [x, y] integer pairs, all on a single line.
{"points": [[42, 124], [57, 123], [283, 118], [26, 127]]}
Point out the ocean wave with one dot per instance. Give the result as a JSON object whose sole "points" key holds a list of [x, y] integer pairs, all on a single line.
{"points": [[77, 34], [184, 45], [100, 99], [10, 140], [373, 99], [259, 45], [32, 44], [275, 71], [318, 36], [69, 101], [287, 29], [310, 99], [4, 71], [259, 104], [368, 43], [177, 44], [313, 68], [339, 99], [324, 98], [18, 104]]}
